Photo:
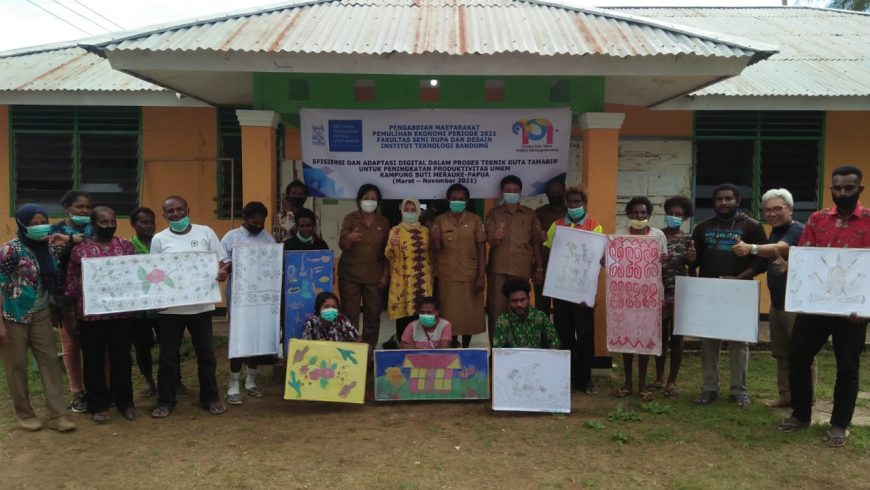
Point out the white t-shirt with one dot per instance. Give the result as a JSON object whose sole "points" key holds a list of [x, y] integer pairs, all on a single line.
{"points": [[199, 239]]}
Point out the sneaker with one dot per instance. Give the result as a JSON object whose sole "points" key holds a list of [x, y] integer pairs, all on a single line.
{"points": [[181, 389], [102, 417], [254, 392], [30, 424], [61, 424], [78, 404], [234, 398]]}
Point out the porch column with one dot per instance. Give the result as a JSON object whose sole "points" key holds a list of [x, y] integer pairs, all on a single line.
{"points": [[259, 154], [600, 157]]}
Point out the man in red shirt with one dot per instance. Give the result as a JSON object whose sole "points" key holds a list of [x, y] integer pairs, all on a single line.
{"points": [[846, 225]]}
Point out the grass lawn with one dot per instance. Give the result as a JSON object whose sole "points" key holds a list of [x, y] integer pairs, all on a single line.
{"points": [[604, 443]]}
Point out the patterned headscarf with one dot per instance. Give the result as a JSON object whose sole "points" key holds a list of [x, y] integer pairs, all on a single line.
{"points": [[416, 204], [23, 215]]}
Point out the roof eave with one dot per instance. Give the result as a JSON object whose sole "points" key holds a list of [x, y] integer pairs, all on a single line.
{"points": [[765, 103]]}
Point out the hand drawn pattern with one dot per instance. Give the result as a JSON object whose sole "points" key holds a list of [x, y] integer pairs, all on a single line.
{"points": [[634, 295], [255, 313], [828, 280], [531, 380], [306, 273]]}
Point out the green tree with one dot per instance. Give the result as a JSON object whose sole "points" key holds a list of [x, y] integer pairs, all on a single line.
{"points": [[856, 5]]}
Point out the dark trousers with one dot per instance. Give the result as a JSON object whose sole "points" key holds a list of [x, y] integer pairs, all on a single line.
{"points": [[543, 303], [171, 333], [575, 325], [809, 335], [98, 338], [144, 330]]}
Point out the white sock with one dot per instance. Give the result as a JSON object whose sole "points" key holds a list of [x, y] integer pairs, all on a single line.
{"points": [[234, 384], [251, 379]]}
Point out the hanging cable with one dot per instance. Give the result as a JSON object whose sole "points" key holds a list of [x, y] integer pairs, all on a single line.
{"points": [[49, 12], [82, 16], [119, 26]]}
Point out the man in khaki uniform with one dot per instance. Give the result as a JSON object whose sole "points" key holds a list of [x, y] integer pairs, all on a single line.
{"points": [[514, 235]]}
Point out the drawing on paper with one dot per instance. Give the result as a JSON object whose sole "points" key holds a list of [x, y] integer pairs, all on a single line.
{"points": [[432, 374], [574, 265], [306, 273], [634, 295], [828, 281], [326, 371], [255, 305], [725, 309], [531, 380], [147, 282]]}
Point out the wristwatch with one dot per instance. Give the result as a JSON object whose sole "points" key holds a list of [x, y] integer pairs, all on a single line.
{"points": [[754, 250]]}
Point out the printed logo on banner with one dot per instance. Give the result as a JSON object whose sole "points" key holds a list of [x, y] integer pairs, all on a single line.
{"points": [[345, 135], [317, 138], [534, 130]]}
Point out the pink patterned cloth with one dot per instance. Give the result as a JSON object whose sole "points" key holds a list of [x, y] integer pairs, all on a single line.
{"points": [[88, 249]]}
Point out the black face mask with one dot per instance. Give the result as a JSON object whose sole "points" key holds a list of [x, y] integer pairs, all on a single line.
{"points": [[105, 234], [297, 202], [556, 201], [254, 230], [846, 203]]}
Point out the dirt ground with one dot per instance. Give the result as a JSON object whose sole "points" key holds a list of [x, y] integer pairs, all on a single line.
{"points": [[601, 444]]}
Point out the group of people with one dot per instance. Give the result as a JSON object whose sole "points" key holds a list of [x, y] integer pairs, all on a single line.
{"points": [[433, 277]]}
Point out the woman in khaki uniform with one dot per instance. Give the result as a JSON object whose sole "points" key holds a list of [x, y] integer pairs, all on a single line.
{"points": [[459, 239], [362, 270]]}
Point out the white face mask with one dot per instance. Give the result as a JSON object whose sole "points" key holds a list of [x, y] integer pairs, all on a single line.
{"points": [[368, 206]]}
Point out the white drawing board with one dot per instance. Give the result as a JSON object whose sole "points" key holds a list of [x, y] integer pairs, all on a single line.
{"points": [[531, 380], [830, 281], [574, 265], [725, 309], [255, 302]]}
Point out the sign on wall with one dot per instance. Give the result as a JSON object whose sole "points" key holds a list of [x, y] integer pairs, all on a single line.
{"points": [[421, 152]]}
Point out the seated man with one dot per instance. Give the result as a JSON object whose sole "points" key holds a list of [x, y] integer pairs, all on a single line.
{"points": [[429, 331], [522, 326]]}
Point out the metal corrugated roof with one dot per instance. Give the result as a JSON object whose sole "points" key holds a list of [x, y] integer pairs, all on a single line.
{"points": [[66, 69], [822, 52], [455, 27]]}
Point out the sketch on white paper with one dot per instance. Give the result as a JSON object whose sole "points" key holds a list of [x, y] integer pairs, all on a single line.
{"points": [[147, 282], [531, 380], [574, 265], [831, 281], [255, 305], [725, 309]]}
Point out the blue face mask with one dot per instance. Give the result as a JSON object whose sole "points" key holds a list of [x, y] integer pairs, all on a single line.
{"points": [[180, 225], [80, 220], [329, 314], [576, 214], [457, 206], [511, 197], [673, 221], [37, 232], [409, 217], [427, 321]]}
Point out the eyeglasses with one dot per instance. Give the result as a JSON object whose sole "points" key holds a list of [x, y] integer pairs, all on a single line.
{"points": [[774, 210]]}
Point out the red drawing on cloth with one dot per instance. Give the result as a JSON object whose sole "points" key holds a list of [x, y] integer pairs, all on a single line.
{"points": [[634, 295]]}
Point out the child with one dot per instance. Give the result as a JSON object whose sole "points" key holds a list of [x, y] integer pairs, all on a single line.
{"points": [[305, 237], [429, 331]]}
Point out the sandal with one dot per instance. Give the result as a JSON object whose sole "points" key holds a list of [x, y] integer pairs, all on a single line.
{"points": [[706, 398], [838, 440], [657, 385], [646, 395], [217, 408], [792, 424], [622, 392], [742, 401], [160, 412], [255, 392], [591, 389], [671, 390]]}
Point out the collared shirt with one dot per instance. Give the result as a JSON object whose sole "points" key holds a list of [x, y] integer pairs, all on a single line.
{"points": [[825, 228], [364, 262], [89, 249], [514, 254], [20, 282], [587, 224], [241, 236], [460, 238], [789, 234], [535, 331], [340, 330]]}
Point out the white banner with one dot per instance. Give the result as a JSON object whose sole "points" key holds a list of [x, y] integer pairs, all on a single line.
{"points": [[725, 309], [421, 152], [147, 282], [255, 300], [830, 281]]}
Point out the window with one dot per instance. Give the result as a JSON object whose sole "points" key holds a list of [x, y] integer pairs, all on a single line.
{"points": [[57, 148], [758, 151], [229, 172], [493, 91]]}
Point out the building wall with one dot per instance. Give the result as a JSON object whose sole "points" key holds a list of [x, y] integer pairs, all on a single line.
{"points": [[847, 141], [7, 220]]}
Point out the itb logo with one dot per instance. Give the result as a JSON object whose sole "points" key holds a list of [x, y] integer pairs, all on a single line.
{"points": [[534, 130]]}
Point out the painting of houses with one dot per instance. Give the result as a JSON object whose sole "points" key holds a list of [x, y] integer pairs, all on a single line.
{"points": [[437, 374]]}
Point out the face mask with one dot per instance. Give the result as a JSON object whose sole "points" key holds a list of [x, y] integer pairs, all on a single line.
{"points": [[297, 202], [329, 314], [254, 230], [105, 233], [180, 225], [80, 220], [673, 221], [847, 203], [304, 239], [556, 200], [427, 320], [368, 206], [37, 232], [638, 224], [457, 206], [511, 197], [409, 217], [576, 214]]}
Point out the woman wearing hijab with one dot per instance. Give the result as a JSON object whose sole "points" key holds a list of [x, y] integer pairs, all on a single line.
{"points": [[27, 277], [410, 266]]}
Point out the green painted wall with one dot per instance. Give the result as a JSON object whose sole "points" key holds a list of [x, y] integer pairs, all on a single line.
{"points": [[329, 91]]}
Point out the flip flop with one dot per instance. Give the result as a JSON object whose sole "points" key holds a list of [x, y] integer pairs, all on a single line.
{"points": [[646, 396], [836, 441], [657, 385], [622, 392], [671, 391], [706, 398], [792, 424]]}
